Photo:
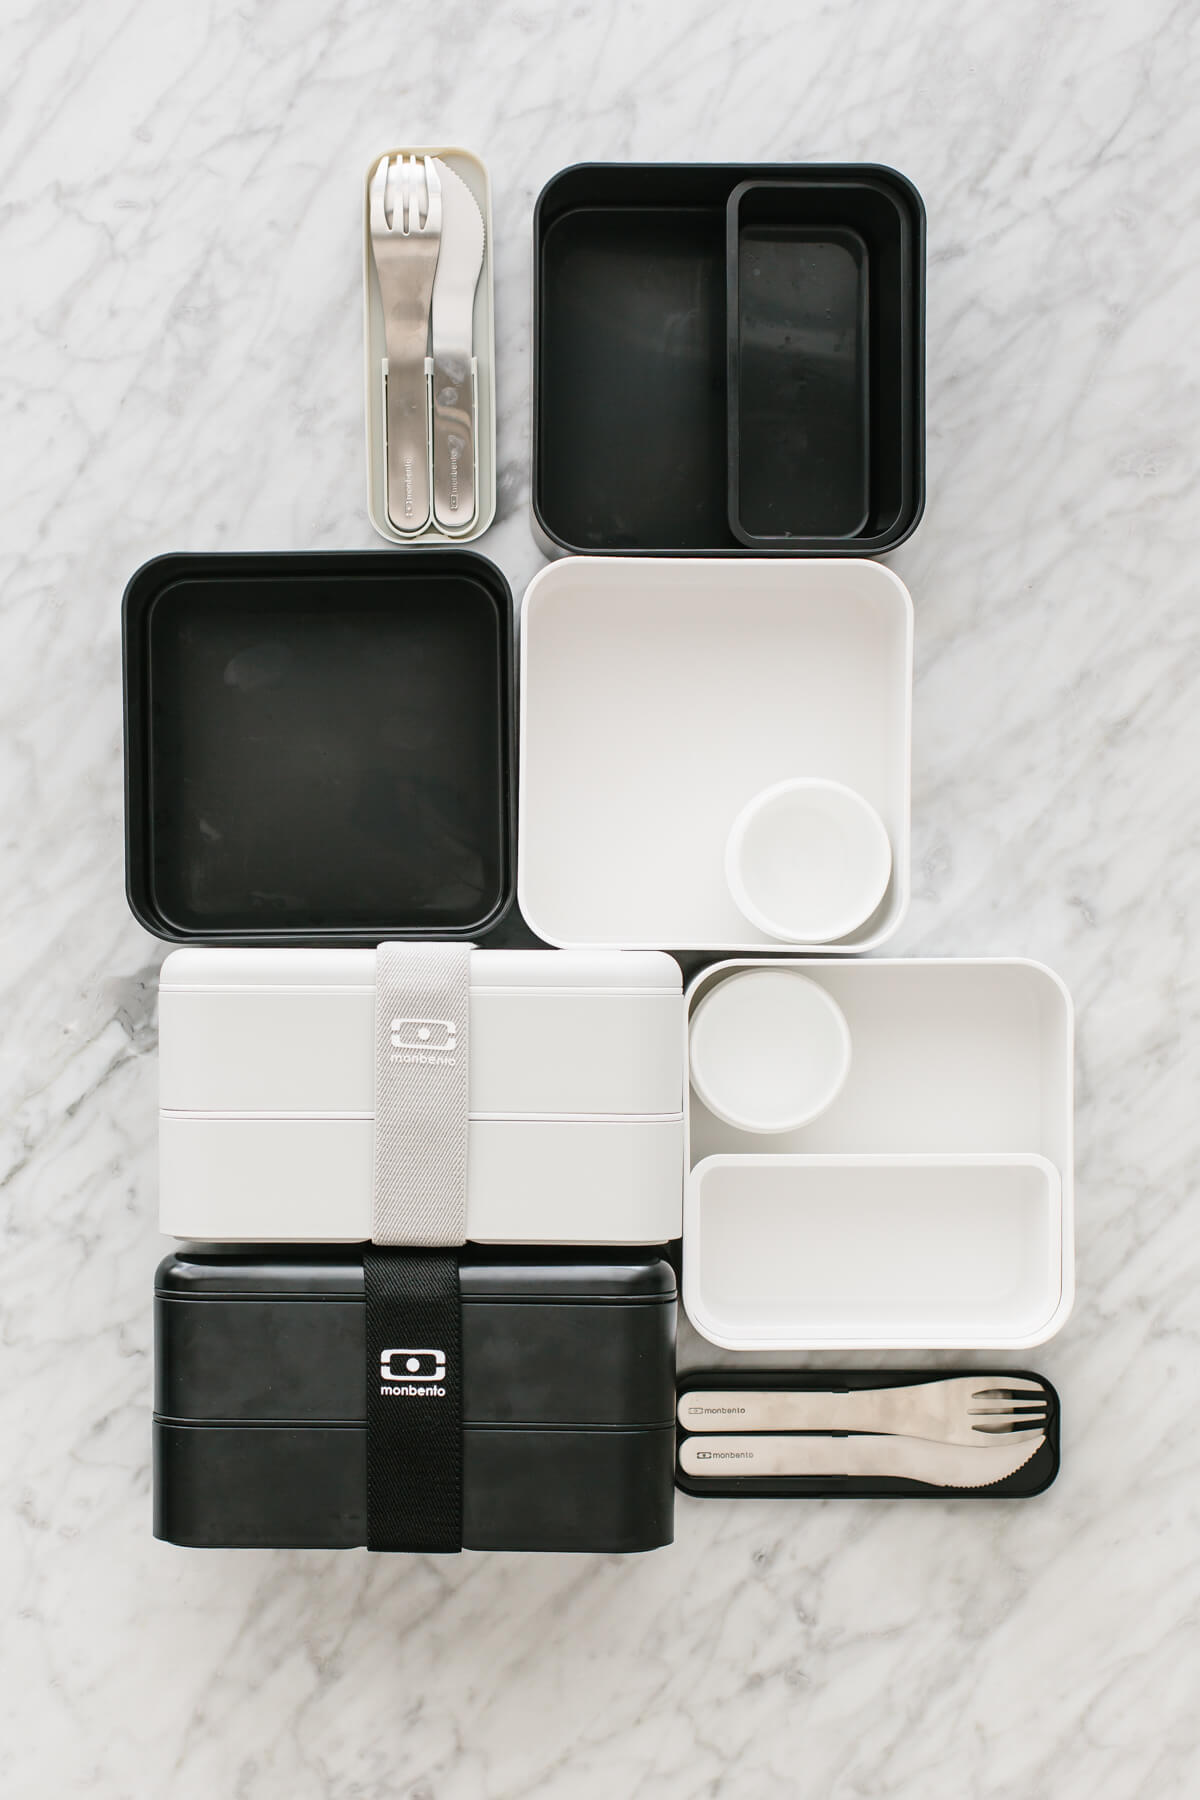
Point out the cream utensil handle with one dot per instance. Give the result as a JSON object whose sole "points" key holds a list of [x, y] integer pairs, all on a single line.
{"points": [[907, 1459], [453, 443], [407, 391]]}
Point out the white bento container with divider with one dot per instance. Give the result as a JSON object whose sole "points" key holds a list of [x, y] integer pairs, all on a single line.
{"points": [[930, 1204]]}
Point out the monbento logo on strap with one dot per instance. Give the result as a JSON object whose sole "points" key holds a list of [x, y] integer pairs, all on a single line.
{"points": [[432, 1043], [415, 1374]]}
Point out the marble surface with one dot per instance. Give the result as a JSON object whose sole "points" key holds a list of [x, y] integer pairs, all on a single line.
{"points": [[181, 345]]}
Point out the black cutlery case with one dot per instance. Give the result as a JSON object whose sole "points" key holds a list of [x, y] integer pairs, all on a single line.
{"points": [[1033, 1477], [266, 1383]]}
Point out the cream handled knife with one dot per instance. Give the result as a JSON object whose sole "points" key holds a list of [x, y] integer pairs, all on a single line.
{"points": [[906, 1459], [454, 422]]}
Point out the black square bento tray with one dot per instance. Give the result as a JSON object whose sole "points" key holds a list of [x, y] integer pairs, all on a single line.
{"points": [[636, 359], [319, 746]]}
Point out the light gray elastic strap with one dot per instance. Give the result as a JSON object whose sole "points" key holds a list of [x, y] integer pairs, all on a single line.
{"points": [[422, 1001]]}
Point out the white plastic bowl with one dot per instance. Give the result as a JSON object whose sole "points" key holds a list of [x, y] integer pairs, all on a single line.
{"points": [[768, 1050], [808, 861]]}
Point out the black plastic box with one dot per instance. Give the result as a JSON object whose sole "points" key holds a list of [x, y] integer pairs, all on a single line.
{"points": [[636, 360], [319, 747], [568, 1399]]}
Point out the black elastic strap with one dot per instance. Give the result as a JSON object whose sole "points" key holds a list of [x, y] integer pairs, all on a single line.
{"points": [[414, 1400]]}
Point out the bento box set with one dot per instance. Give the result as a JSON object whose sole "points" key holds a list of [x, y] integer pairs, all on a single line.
{"points": [[440, 1120]]}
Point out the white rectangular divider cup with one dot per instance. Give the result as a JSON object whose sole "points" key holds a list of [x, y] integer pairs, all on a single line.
{"points": [[660, 697], [928, 1203], [831, 1252], [267, 1097]]}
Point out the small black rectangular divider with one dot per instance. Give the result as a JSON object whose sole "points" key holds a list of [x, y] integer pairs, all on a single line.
{"points": [[799, 381], [823, 305], [319, 747]]}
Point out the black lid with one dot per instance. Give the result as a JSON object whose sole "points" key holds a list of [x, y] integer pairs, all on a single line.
{"points": [[549, 1337], [516, 1273]]}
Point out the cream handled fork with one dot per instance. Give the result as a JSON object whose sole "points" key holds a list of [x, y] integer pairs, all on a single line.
{"points": [[406, 231], [966, 1409]]}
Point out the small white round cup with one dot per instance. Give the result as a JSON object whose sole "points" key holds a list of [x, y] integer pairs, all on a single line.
{"points": [[808, 861], [768, 1049]]}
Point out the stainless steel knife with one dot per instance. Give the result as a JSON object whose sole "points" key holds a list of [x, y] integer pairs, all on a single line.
{"points": [[454, 421], [909, 1459]]}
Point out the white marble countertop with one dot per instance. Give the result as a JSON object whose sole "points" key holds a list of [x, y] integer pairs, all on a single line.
{"points": [[181, 369]]}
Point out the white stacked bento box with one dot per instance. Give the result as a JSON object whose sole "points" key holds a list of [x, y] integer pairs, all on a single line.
{"points": [[267, 1096]]}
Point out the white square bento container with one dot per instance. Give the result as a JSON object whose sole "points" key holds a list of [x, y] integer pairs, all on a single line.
{"points": [[659, 695]]}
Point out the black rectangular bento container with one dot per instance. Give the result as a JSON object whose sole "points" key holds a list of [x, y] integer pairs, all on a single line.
{"points": [[568, 1399], [636, 359], [319, 747], [1034, 1477]]}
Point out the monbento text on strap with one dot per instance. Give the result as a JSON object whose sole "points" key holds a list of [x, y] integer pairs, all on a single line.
{"points": [[414, 1400]]}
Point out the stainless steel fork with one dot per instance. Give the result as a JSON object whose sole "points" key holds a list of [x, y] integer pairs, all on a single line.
{"points": [[406, 231], [965, 1409]]}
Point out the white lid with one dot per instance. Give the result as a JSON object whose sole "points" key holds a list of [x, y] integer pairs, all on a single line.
{"points": [[293, 1031], [211, 968]]}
